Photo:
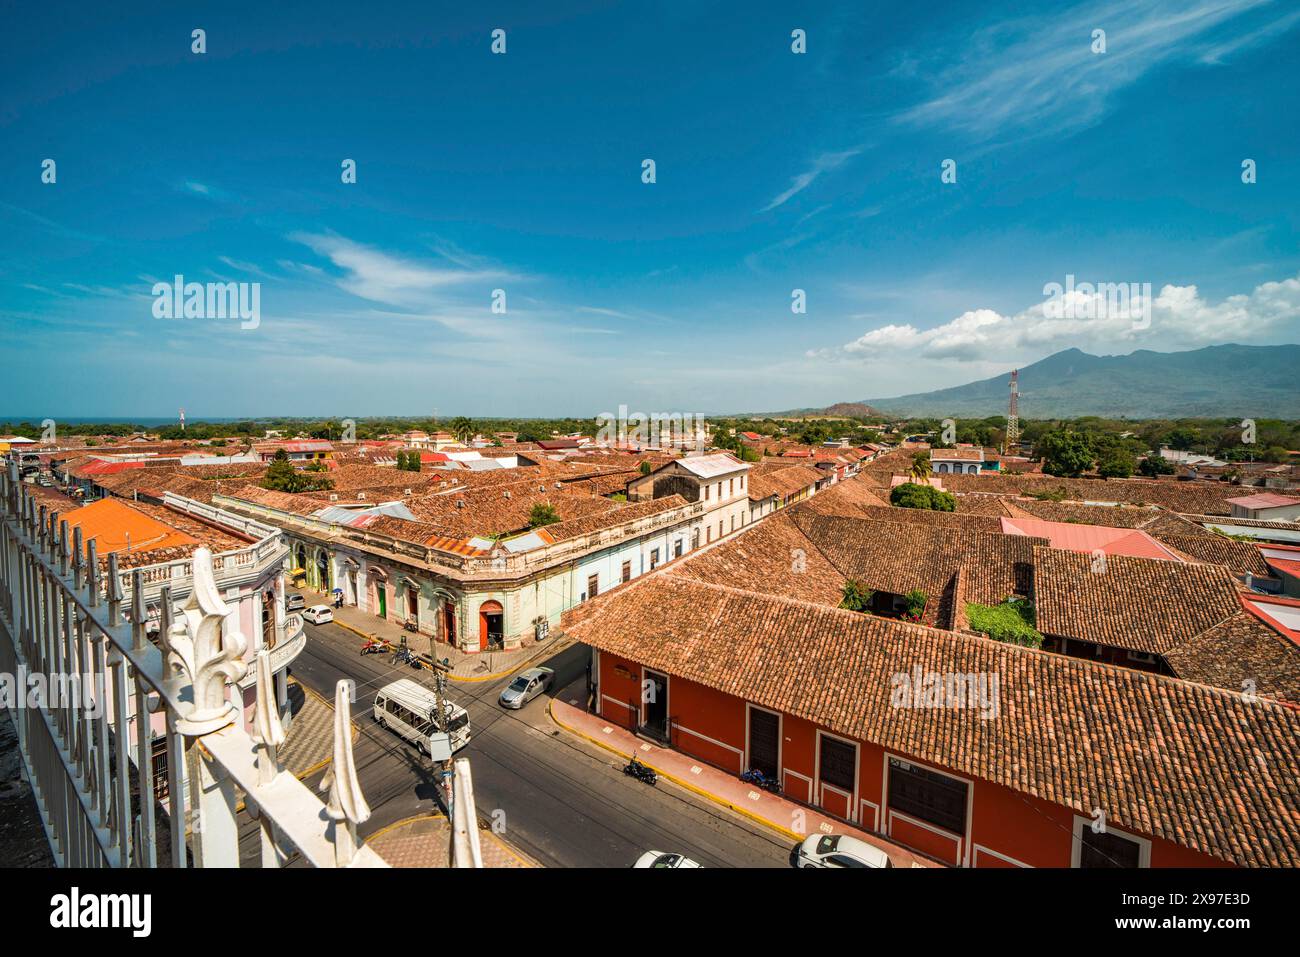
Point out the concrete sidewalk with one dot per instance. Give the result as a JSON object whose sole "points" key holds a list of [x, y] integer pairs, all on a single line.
{"points": [[483, 666], [423, 841], [796, 821]]}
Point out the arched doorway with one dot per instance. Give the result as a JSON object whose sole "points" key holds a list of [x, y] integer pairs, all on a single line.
{"points": [[491, 625], [322, 572]]}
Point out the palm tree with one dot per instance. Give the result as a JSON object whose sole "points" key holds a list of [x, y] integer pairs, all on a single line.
{"points": [[462, 428], [921, 467]]}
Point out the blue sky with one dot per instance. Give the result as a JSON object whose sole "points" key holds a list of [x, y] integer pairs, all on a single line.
{"points": [[775, 171]]}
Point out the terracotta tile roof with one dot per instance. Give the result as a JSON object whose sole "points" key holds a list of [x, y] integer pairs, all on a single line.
{"points": [[898, 558], [1203, 497], [984, 504], [773, 557], [766, 481], [587, 524], [488, 512], [1240, 558], [1194, 765], [1141, 604], [359, 478], [957, 455], [846, 498], [1241, 653], [1111, 515], [924, 516]]}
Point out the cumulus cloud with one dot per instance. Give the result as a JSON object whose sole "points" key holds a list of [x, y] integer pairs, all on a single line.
{"points": [[1092, 317]]}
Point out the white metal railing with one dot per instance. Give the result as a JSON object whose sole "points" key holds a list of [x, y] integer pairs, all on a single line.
{"points": [[89, 752]]}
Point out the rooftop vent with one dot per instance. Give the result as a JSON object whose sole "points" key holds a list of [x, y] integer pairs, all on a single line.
{"points": [[460, 503], [334, 498], [506, 494], [361, 495], [406, 491]]}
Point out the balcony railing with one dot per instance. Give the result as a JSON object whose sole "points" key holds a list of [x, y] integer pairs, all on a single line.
{"points": [[87, 741]]}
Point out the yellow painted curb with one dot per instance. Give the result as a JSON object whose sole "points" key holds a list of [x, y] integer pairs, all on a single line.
{"points": [[745, 812], [492, 677]]}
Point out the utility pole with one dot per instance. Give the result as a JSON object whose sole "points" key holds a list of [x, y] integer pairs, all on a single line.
{"points": [[446, 771]]}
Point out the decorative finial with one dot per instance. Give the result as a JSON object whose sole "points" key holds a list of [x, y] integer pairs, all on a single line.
{"points": [[347, 805], [197, 652], [267, 729]]}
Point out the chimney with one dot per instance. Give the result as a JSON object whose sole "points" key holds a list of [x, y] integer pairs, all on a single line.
{"points": [[506, 494], [460, 503]]}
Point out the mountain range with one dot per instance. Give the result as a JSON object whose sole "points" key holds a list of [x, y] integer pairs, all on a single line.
{"points": [[1216, 381]]}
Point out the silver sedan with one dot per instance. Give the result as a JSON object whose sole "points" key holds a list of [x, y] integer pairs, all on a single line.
{"points": [[526, 686]]}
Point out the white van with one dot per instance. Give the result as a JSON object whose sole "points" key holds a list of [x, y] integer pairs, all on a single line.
{"points": [[408, 708]]}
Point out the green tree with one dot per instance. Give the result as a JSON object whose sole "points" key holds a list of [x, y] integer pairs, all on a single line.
{"points": [[281, 476], [911, 495], [1065, 453], [1117, 463], [921, 467], [542, 513], [1182, 438], [1153, 466], [645, 468], [462, 428]]}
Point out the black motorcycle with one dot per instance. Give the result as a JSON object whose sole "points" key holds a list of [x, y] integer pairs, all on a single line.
{"points": [[757, 777], [636, 769]]}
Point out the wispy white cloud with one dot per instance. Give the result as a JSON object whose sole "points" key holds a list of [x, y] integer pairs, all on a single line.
{"points": [[379, 276], [822, 164], [1041, 74]]}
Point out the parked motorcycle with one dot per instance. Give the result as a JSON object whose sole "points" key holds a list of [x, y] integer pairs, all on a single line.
{"points": [[405, 656], [411, 625], [636, 769], [374, 647], [759, 779]]}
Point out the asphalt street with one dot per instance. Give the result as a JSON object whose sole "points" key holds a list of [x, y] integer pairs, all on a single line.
{"points": [[554, 797]]}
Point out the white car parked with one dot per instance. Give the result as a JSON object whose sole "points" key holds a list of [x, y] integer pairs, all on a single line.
{"points": [[838, 850], [318, 614], [660, 859]]}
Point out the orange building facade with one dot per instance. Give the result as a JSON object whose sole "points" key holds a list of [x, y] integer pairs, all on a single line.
{"points": [[938, 811]]}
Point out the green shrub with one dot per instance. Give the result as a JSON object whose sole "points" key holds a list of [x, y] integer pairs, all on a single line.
{"points": [[1012, 621], [911, 495], [856, 597]]}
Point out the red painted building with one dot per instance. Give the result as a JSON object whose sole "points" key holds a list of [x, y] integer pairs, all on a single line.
{"points": [[742, 680], [936, 810]]}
